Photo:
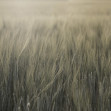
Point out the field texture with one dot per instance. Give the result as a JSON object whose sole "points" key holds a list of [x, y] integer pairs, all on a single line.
{"points": [[56, 64]]}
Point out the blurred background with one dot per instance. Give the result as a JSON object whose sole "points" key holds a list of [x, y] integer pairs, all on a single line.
{"points": [[48, 8]]}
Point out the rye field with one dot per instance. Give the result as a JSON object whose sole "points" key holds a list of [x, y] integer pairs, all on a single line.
{"points": [[57, 60]]}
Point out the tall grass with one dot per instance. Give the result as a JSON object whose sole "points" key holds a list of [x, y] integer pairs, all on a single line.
{"points": [[59, 65]]}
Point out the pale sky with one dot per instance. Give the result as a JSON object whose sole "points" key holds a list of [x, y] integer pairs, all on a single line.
{"points": [[53, 7]]}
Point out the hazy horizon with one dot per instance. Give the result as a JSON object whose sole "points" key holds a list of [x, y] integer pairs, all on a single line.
{"points": [[52, 7]]}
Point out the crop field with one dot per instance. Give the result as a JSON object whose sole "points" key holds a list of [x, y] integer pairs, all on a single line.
{"points": [[55, 55]]}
